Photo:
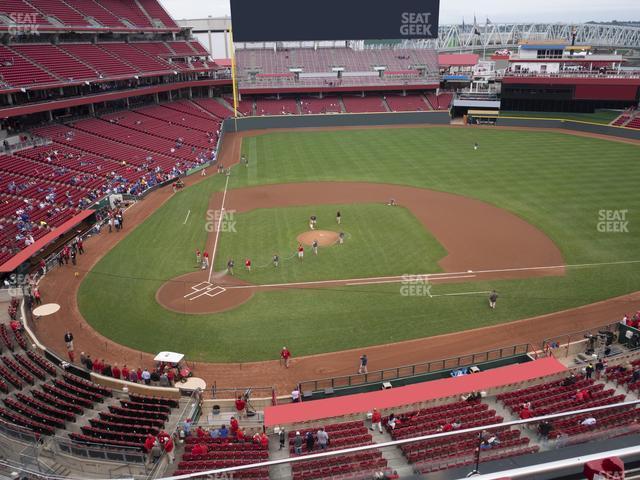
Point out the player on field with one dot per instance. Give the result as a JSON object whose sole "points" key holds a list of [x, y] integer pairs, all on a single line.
{"points": [[314, 245], [300, 251], [493, 298]]}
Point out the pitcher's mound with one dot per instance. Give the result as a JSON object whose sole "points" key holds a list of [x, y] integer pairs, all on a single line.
{"points": [[324, 237]]}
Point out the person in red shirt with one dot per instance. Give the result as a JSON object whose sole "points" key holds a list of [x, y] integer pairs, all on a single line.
{"points": [[97, 366], [285, 355], [171, 376], [196, 450], [148, 442], [525, 413], [200, 432], [264, 440], [247, 264], [125, 372], [240, 406], [115, 371], [240, 435], [139, 372], [233, 426], [163, 437], [169, 448], [300, 251], [447, 427], [376, 419]]}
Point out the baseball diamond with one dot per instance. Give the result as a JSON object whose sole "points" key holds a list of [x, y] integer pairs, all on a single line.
{"points": [[347, 242]]}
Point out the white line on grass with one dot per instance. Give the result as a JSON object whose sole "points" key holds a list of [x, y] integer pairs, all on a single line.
{"points": [[215, 245], [187, 218], [434, 276], [404, 280], [457, 294]]}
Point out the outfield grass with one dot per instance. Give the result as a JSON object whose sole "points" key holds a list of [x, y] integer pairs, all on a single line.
{"points": [[603, 117], [379, 241], [555, 181]]}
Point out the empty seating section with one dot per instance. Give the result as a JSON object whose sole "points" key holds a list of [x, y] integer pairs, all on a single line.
{"points": [[16, 71], [610, 423], [197, 46], [245, 105], [127, 10], [311, 105], [317, 66], [22, 12], [61, 11], [355, 104], [363, 465], [409, 103], [131, 55], [182, 48], [99, 145], [95, 10], [57, 61], [126, 425], [427, 421], [153, 48], [116, 14], [634, 123], [272, 106], [213, 106], [621, 120], [222, 454], [167, 131], [555, 397], [190, 108], [441, 101], [156, 12], [104, 63], [160, 148]]}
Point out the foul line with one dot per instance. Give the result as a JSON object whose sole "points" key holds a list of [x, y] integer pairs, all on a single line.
{"points": [[215, 245], [431, 276], [185, 220], [428, 277]]}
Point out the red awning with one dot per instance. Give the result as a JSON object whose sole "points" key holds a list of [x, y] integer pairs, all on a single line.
{"points": [[223, 62], [21, 257], [458, 59]]}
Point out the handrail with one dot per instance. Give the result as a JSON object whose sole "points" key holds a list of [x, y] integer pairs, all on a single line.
{"points": [[407, 371]]}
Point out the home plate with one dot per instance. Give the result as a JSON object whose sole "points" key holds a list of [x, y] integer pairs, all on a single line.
{"points": [[204, 288]]}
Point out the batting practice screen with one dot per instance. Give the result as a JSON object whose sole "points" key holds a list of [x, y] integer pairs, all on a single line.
{"points": [[305, 20]]}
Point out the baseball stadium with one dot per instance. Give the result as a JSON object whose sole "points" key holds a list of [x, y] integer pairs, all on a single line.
{"points": [[356, 243]]}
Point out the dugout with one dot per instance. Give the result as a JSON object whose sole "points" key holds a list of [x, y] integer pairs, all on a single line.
{"points": [[482, 117]]}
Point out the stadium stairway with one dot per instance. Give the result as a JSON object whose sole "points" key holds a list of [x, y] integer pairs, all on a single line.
{"points": [[394, 457], [343, 108]]}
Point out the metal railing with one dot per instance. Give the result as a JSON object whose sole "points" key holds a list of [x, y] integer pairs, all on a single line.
{"points": [[408, 371], [564, 341]]}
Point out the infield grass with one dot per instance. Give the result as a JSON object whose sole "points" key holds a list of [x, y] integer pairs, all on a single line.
{"points": [[379, 241], [555, 181]]}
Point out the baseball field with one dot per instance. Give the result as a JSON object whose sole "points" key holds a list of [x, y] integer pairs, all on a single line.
{"points": [[549, 220]]}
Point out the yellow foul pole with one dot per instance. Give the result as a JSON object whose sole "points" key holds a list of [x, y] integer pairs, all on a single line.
{"points": [[234, 79]]}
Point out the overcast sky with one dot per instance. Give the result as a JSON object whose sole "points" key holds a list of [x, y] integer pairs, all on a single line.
{"points": [[452, 11]]}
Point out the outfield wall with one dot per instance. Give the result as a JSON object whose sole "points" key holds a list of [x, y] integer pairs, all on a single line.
{"points": [[411, 118], [336, 120], [586, 127]]}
